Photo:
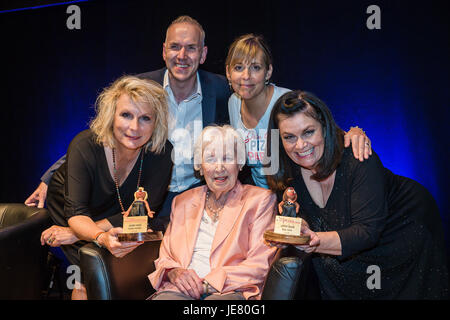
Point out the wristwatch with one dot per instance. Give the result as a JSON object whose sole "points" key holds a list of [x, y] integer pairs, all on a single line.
{"points": [[96, 239], [206, 286]]}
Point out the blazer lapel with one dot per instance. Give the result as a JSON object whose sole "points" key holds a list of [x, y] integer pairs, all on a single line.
{"points": [[208, 100], [229, 216], [193, 212], [159, 75]]}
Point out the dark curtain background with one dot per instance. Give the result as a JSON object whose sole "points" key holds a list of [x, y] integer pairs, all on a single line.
{"points": [[392, 82]]}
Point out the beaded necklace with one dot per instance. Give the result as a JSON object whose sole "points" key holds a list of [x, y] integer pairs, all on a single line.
{"points": [[116, 180]]}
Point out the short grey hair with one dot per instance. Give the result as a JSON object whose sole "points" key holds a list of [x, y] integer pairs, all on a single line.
{"points": [[189, 20], [229, 137]]}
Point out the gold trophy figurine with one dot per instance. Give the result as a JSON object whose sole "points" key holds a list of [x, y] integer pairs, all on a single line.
{"points": [[135, 220], [287, 224]]}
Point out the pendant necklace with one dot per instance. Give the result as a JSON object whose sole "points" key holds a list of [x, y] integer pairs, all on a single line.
{"points": [[116, 180], [216, 212]]}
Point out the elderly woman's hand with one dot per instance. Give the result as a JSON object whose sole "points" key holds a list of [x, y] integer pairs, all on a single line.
{"points": [[118, 249], [187, 281], [57, 235]]}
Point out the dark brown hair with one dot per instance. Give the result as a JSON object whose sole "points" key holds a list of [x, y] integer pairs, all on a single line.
{"points": [[290, 104]]}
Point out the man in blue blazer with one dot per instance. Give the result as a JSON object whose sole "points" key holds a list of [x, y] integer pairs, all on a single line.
{"points": [[197, 98], [215, 94]]}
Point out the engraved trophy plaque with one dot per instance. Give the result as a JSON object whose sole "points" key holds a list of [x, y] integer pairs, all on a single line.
{"points": [[135, 220], [287, 224]]}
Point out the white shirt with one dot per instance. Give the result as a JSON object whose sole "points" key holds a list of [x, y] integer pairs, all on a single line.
{"points": [[202, 249], [255, 139], [185, 124]]}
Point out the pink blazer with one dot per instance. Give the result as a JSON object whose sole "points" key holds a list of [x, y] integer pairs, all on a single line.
{"points": [[239, 258]]}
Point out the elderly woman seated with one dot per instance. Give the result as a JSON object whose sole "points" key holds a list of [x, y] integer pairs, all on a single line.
{"points": [[213, 248]]}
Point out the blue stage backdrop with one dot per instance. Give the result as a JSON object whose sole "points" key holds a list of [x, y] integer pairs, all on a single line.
{"points": [[393, 82]]}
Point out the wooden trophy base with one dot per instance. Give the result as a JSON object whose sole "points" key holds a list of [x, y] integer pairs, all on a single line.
{"points": [[140, 236], [287, 239]]}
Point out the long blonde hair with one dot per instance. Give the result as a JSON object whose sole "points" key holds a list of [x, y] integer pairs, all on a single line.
{"points": [[141, 92]]}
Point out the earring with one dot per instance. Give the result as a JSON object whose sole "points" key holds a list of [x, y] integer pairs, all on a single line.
{"points": [[266, 82]]}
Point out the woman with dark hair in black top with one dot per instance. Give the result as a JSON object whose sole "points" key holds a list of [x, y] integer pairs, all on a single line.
{"points": [[360, 216]]}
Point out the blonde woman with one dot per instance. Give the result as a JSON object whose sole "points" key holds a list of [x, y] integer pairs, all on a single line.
{"points": [[125, 148]]}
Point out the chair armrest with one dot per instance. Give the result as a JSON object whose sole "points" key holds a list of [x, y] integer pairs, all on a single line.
{"points": [[14, 213], [109, 278], [22, 258], [289, 277]]}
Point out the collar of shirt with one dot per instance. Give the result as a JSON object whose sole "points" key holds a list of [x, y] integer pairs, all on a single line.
{"points": [[172, 100], [186, 115]]}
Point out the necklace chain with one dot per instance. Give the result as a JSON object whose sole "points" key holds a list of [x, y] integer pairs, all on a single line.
{"points": [[216, 212], [116, 182]]}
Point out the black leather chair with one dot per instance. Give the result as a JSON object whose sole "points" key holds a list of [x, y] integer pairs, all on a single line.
{"points": [[106, 277], [109, 278], [23, 261], [291, 277]]}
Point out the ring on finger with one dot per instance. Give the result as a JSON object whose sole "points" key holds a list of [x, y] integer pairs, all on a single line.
{"points": [[50, 240]]}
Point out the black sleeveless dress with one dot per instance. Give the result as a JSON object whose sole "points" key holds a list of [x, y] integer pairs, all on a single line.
{"points": [[389, 227]]}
